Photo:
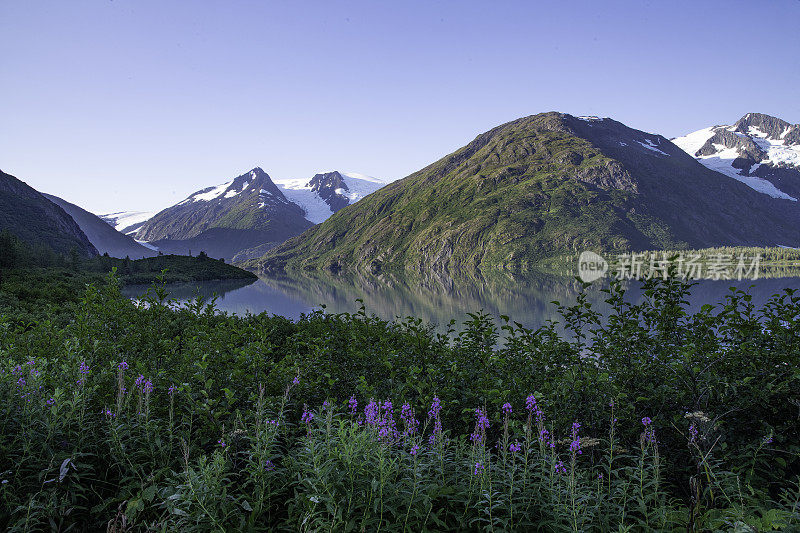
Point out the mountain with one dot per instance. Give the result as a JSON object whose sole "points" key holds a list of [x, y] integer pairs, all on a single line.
{"points": [[328, 192], [34, 219], [537, 187], [105, 238], [244, 212], [127, 222], [761, 151]]}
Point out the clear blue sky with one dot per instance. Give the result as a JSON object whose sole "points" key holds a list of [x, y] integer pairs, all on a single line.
{"points": [[133, 105]]}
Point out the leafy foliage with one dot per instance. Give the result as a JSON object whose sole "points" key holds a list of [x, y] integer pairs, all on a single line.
{"points": [[163, 417]]}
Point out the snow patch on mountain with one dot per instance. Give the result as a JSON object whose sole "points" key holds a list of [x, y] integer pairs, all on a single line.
{"points": [[299, 192], [650, 145], [127, 222], [722, 160], [147, 245], [316, 209]]}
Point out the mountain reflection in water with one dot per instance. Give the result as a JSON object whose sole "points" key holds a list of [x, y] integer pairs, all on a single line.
{"points": [[525, 300]]}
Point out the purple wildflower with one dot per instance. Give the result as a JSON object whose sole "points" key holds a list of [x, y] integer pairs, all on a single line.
{"points": [[514, 447], [269, 466], [307, 416], [410, 422], [353, 403], [433, 413], [221, 443], [123, 365], [147, 388], [543, 435], [372, 413], [414, 449], [767, 440], [649, 430], [296, 380], [481, 425], [172, 390], [51, 401], [560, 468], [478, 468], [530, 402], [575, 445], [507, 408], [693, 432], [435, 408]]}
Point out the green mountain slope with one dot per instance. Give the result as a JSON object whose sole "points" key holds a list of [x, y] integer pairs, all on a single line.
{"points": [[105, 238], [538, 187], [37, 221]]}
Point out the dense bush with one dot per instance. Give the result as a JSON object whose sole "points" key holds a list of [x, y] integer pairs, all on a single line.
{"points": [[166, 418]]}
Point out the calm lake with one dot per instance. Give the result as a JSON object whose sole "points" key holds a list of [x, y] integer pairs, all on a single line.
{"points": [[527, 301]]}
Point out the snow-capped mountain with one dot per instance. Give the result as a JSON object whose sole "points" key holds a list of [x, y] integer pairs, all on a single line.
{"points": [[222, 220], [761, 151], [247, 212], [328, 192]]}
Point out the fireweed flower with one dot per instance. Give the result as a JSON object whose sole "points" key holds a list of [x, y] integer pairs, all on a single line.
{"points": [[481, 425], [649, 430], [269, 466], [575, 445], [435, 408], [307, 416], [514, 447], [172, 389], [433, 413], [530, 402], [414, 449], [543, 434], [147, 388], [387, 427], [560, 468], [478, 468], [410, 422], [693, 432], [221, 443], [325, 405], [139, 381], [51, 401], [767, 440], [123, 365], [353, 403], [372, 413], [507, 408], [296, 380]]}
